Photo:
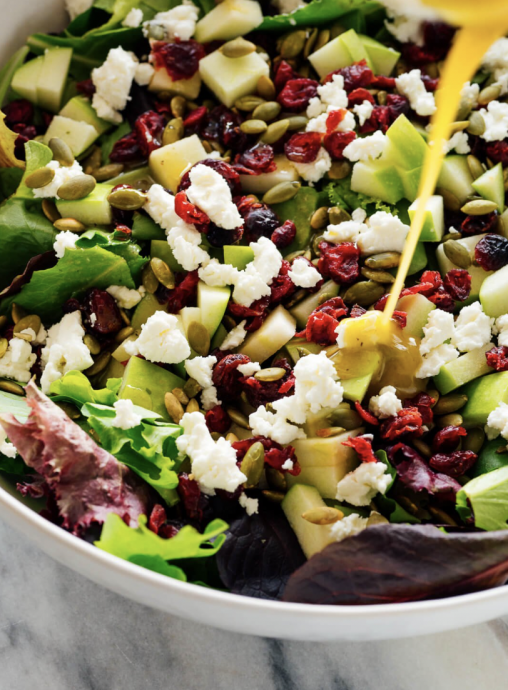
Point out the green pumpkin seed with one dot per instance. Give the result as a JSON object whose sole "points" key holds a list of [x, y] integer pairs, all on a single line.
{"points": [[107, 172], [11, 387], [476, 124], [50, 210], [330, 431], [452, 236], [489, 93], [77, 188], [93, 161], [253, 463], [231, 437], [123, 334], [267, 111], [4, 320], [474, 440], [173, 131], [297, 122], [281, 192], [207, 146], [192, 388], [310, 43], [192, 406], [181, 395], [238, 417], [442, 516], [337, 215], [125, 316], [291, 45], [324, 515], [459, 126], [99, 365], [70, 410], [364, 293], [475, 167], [70, 224], [127, 199], [61, 152], [40, 178], [237, 48], [4, 344], [248, 103], [302, 352], [149, 279], [254, 126], [450, 201], [270, 374], [294, 255], [450, 403], [178, 106], [377, 276], [319, 218], [31, 321], [422, 447], [174, 407], [163, 273], [339, 170], [275, 131], [453, 419], [273, 496], [17, 313], [479, 207], [322, 39], [92, 344], [199, 338], [457, 253], [382, 97], [266, 88], [275, 478]]}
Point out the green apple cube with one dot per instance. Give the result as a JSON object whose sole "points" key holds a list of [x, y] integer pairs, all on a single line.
{"points": [[94, 209], [299, 209], [417, 308], [478, 275], [433, 227], [229, 19], [490, 186], [456, 177], [80, 109], [276, 331], [232, 78], [120, 354], [486, 496], [53, 77], [284, 171], [212, 301], [78, 135], [153, 382], [145, 309], [162, 81], [356, 388], [383, 59], [160, 249], [26, 78], [219, 337], [406, 147], [299, 499], [188, 315], [419, 260], [168, 163], [238, 256], [494, 293], [355, 47], [462, 370], [484, 395], [296, 343], [144, 228], [303, 309], [378, 179], [334, 55]]}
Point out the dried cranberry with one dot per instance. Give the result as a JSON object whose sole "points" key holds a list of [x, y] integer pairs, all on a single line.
{"points": [[336, 142], [358, 96], [259, 219], [126, 149], [408, 422], [254, 315], [357, 311], [382, 82], [497, 358], [183, 294], [399, 105], [457, 283], [100, 313], [195, 119], [339, 261], [437, 38], [230, 134], [188, 212], [259, 159], [362, 447], [355, 76], [71, 305], [283, 73], [122, 233], [18, 112], [446, 440], [497, 151], [284, 235], [158, 523], [223, 168], [381, 119], [296, 94], [193, 501], [149, 128], [453, 464], [282, 286], [275, 454], [264, 392], [400, 318], [423, 402], [217, 419], [323, 321], [366, 416], [334, 118], [86, 88], [303, 147], [491, 252], [181, 58], [474, 225], [226, 377]]}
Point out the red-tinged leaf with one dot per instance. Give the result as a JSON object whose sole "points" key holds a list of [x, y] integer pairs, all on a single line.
{"points": [[40, 262], [389, 564], [87, 481]]}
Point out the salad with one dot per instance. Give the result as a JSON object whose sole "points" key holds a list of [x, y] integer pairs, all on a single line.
{"points": [[203, 210]]}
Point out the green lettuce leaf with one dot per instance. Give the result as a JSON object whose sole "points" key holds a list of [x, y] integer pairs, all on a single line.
{"points": [[119, 9], [340, 194], [37, 155], [77, 271], [75, 387], [130, 251], [10, 179], [15, 405], [318, 13]]}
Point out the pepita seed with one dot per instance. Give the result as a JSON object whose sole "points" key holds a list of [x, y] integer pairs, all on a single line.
{"points": [[297, 122], [180, 395], [127, 199], [475, 167], [452, 236], [270, 374], [77, 188], [364, 293], [377, 276], [107, 172], [70, 410], [275, 478], [324, 515], [266, 88], [4, 344], [275, 131], [17, 313], [123, 334], [298, 296], [253, 463], [330, 431], [125, 316], [273, 496], [31, 321], [291, 45], [24, 336], [449, 403], [4, 320], [207, 146], [281, 192], [302, 351], [479, 207], [422, 447], [267, 111], [337, 215], [93, 161], [50, 210], [238, 48], [173, 131], [476, 124], [70, 224], [457, 253], [324, 297], [40, 178], [489, 93], [228, 322], [11, 387], [459, 126], [316, 241], [319, 219], [178, 106], [322, 39], [248, 103], [339, 170], [382, 97], [163, 273], [474, 440], [149, 279], [434, 394], [453, 419], [192, 406], [408, 504], [174, 407], [99, 365], [61, 152], [345, 417], [310, 43], [192, 388], [92, 344], [199, 338], [231, 437], [294, 255], [450, 201], [238, 417], [253, 126], [442, 516]]}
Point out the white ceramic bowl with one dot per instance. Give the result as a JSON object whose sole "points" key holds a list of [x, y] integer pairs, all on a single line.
{"points": [[228, 611]]}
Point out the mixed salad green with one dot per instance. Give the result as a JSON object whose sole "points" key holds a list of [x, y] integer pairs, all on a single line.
{"points": [[203, 207]]}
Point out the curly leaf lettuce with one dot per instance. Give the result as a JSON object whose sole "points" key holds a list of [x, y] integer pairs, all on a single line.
{"points": [[130, 251], [340, 194], [75, 387]]}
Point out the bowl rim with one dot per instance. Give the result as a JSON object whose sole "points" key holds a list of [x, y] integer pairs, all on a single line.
{"points": [[38, 525]]}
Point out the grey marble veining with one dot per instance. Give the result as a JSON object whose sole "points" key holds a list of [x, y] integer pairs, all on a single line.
{"points": [[58, 631]]}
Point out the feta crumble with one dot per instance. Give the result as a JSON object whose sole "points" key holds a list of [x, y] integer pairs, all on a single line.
{"points": [[411, 85], [184, 241], [125, 297], [113, 81], [435, 359], [361, 485], [348, 231], [6, 448], [386, 403], [251, 505], [332, 94], [179, 22], [210, 192], [439, 329], [469, 94], [497, 422], [366, 148], [144, 73], [501, 330], [235, 337], [209, 398], [363, 111], [17, 361], [160, 206], [347, 527], [405, 29], [384, 233], [495, 61], [201, 369], [249, 369], [133, 18], [472, 328], [304, 275], [216, 274], [64, 240], [62, 175], [496, 121], [460, 142], [125, 417], [160, 340], [313, 172]]}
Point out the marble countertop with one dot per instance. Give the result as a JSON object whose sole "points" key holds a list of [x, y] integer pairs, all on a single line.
{"points": [[62, 632]]}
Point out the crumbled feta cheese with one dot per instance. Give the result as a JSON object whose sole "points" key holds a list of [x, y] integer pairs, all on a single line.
{"points": [[201, 369], [113, 81], [315, 108], [348, 231], [415, 9], [28, 332], [267, 259], [434, 360], [210, 192], [184, 241], [495, 61], [385, 233], [249, 369], [251, 505], [160, 206], [64, 240], [213, 462], [126, 298], [472, 328], [363, 111], [179, 22], [41, 336], [209, 398], [321, 123], [469, 94], [386, 404], [497, 422], [360, 486], [313, 172], [249, 287], [273, 425], [366, 148], [93, 318], [77, 7], [405, 29], [501, 330], [62, 175], [144, 73], [133, 18], [411, 85], [496, 121], [17, 361], [160, 340], [304, 275], [288, 465], [332, 94], [438, 330], [359, 215], [65, 350], [125, 417], [6, 448], [235, 337], [216, 274], [347, 527], [460, 142]]}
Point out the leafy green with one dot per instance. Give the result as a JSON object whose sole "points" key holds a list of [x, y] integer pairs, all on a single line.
{"points": [[10, 179], [77, 271], [8, 70], [130, 251], [317, 13], [109, 140], [390, 469], [387, 505], [76, 387], [37, 156], [24, 233], [7, 142], [489, 458], [143, 547], [14, 404], [486, 497], [340, 194]]}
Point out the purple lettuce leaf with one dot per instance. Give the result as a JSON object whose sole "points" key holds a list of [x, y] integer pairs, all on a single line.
{"points": [[37, 263], [414, 472]]}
